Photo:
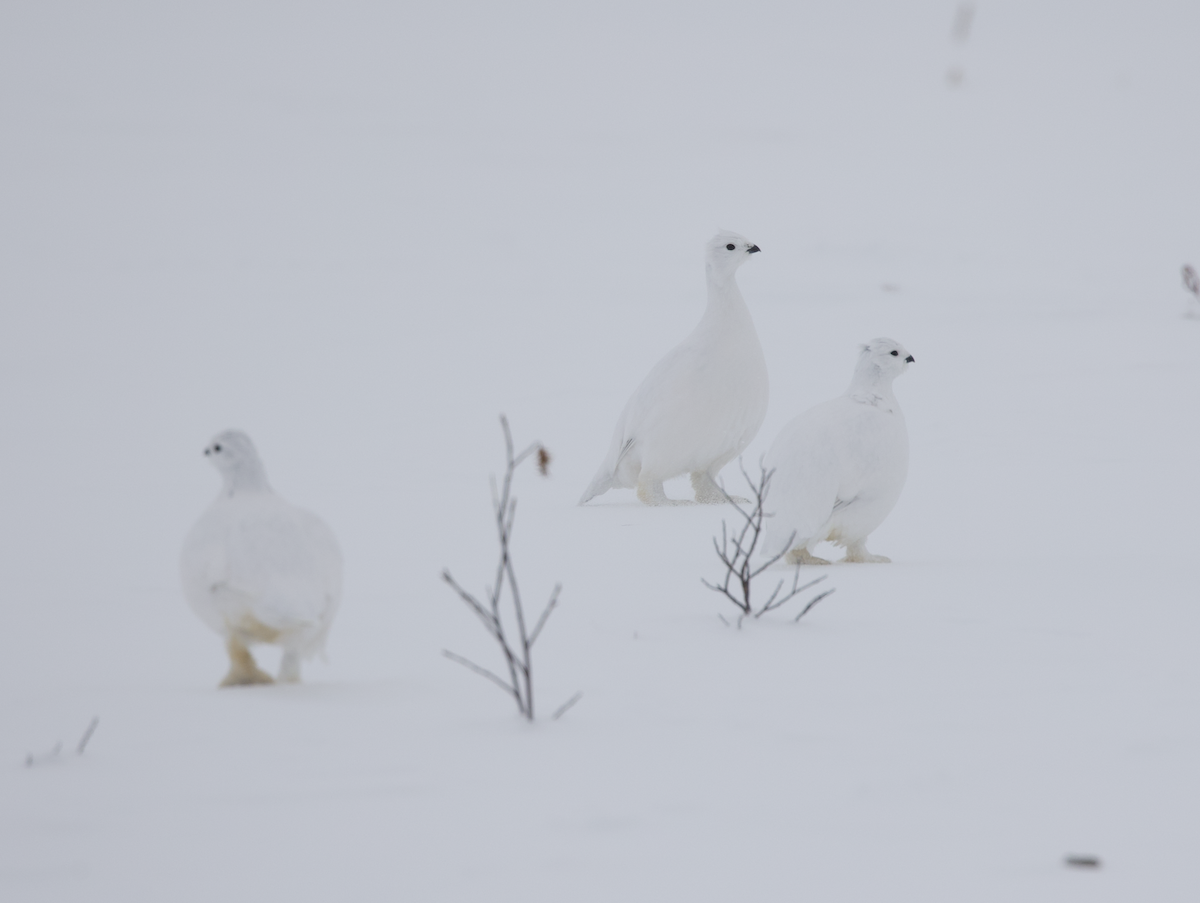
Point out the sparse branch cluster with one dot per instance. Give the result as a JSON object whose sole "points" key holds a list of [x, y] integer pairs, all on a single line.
{"points": [[517, 649], [35, 759], [736, 551]]}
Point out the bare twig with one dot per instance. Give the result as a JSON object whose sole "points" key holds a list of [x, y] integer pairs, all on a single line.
{"points": [[795, 591], [482, 672], [31, 759], [545, 614], [814, 601], [472, 602], [562, 709], [87, 735], [42, 758], [739, 570], [1191, 282], [517, 650]]}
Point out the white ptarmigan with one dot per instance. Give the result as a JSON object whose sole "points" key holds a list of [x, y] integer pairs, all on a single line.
{"points": [[259, 570], [840, 466], [702, 404]]}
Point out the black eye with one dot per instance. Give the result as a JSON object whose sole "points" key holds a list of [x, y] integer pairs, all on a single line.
{"points": [[895, 354], [729, 247], [216, 448]]}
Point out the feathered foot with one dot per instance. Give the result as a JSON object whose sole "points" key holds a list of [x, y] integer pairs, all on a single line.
{"points": [[709, 493], [856, 553], [651, 492], [801, 555], [243, 672]]}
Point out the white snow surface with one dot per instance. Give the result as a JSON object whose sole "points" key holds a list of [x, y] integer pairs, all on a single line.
{"points": [[363, 232]]}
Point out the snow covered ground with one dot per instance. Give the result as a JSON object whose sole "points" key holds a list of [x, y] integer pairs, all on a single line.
{"points": [[360, 233]]}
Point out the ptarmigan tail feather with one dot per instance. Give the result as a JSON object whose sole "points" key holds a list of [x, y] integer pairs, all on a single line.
{"points": [[601, 483], [608, 475]]}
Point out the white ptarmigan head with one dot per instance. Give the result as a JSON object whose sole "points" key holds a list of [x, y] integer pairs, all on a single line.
{"points": [[725, 252], [881, 360], [236, 459]]}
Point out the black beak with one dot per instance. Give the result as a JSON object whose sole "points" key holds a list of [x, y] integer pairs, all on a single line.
{"points": [[753, 249], [910, 359]]}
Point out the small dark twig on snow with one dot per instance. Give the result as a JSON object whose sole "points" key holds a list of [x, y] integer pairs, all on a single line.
{"points": [[517, 650], [42, 759], [1191, 282], [565, 707]]}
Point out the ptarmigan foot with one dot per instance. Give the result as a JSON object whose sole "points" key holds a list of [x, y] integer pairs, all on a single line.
{"points": [[709, 493], [858, 554], [289, 668], [651, 492], [803, 556], [243, 672]]}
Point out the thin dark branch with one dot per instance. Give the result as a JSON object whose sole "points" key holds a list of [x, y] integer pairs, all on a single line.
{"points": [[537, 629], [815, 600], [532, 450], [778, 587], [508, 443], [517, 651], [795, 591], [726, 593], [482, 672], [31, 759], [472, 602], [87, 735], [724, 558], [774, 558], [562, 709]]}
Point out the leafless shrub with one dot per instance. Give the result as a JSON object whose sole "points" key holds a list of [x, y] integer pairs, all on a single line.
{"points": [[736, 551], [517, 650], [1191, 282]]}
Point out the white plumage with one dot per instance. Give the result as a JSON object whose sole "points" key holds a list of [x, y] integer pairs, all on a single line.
{"points": [[259, 570], [840, 466], [702, 404]]}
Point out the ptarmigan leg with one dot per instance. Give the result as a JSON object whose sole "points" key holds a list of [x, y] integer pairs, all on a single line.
{"points": [[801, 555], [651, 492], [709, 493], [242, 669], [289, 668], [856, 553]]}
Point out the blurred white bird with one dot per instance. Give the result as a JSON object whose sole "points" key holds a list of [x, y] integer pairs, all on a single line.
{"points": [[702, 404], [259, 570], [840, 466]]}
